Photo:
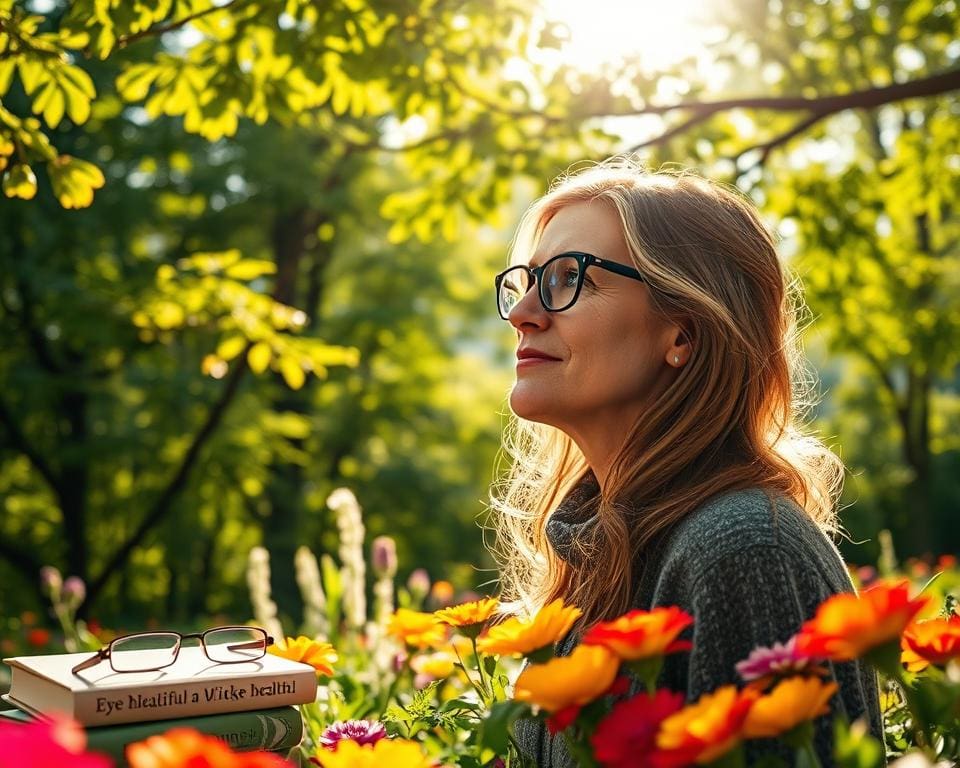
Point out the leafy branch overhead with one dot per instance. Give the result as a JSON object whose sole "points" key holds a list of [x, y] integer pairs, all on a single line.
{"points": [[358, 74]]}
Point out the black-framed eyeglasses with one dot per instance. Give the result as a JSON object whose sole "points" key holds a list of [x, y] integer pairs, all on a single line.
{"points": [[150, 651], [559, 280]]}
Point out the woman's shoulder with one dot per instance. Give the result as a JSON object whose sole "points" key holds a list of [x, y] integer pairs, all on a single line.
{"points": [[734, 524]]}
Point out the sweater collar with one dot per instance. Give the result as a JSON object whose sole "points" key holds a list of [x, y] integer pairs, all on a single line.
{"points": [[569, 526]]}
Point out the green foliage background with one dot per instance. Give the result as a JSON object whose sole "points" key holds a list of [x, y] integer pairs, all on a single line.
{"points": [[247, 253]]}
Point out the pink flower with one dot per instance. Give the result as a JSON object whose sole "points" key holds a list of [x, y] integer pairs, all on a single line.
{"points": [[41, 743], [360, 731], [778, 660]]}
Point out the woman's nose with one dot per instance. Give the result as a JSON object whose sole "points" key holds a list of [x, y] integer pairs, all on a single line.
{"points": [[529, 311]]}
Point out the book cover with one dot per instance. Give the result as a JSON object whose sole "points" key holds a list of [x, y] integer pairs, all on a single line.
{"points": [[275, 730], [192, 686]]}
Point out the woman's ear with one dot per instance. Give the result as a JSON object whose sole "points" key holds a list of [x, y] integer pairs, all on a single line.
{"points": [[679, 352]]}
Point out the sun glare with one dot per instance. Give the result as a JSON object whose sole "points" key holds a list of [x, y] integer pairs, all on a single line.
{"points": [[653, 33]]}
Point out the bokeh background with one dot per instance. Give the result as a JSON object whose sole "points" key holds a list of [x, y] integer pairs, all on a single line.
{"points": [[247, 250]]}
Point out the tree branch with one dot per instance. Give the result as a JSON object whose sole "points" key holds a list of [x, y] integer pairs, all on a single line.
{"points": [[21, 443], [160, 29], [768, 146], [164, 502], [819, 107], [25, 562]]}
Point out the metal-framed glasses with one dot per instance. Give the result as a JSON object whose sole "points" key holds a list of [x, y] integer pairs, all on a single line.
{"points": [[559, 280], [150, 651]]}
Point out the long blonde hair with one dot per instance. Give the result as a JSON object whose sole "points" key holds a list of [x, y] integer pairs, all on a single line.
{"points": [[730, 420]]}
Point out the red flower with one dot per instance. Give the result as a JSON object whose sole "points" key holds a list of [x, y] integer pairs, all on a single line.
{"points": [[936, 641], [44, 743], [38, 637], [642, 634], [627, 736], [846, 627]]}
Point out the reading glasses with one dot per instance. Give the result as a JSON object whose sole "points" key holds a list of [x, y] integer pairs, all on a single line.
{"points": [[559, 280], [150, 651]]}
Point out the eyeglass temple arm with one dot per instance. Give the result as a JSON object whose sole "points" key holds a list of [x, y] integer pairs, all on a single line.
{"points": [[103, 653], [251, 644], [620, 269]]}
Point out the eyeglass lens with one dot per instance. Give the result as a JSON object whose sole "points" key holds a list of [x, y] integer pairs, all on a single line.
{"points": [[558, 285], [155, 650], [141, 653]]}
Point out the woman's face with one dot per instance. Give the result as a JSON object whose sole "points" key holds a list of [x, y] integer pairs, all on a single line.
{"points": [[591, 369]]}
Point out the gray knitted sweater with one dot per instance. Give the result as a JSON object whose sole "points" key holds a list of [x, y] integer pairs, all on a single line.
{"points": [[750, 573]]}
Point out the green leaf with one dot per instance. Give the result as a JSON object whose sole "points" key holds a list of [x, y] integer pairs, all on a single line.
{"points": [[292, 372], [258, 358], [231, 346], [495, 730], [249, 269]]}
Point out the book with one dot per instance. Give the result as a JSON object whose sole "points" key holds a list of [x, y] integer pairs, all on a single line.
{"points": [[274, 730], [192, 686]]}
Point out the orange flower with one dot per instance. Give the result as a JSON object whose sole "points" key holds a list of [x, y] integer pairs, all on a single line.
{"points": [[793, 701], [935, 641], [416, 628], [710, 727], [568, 681], [187, 748], [436, 665], [442, 592], [519, 638], [396, 753], [468, 614], [642, 634], [846, 626], [320, 656]]}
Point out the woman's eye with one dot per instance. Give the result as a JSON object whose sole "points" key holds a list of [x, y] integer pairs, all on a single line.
{"points": [[570, 278]]}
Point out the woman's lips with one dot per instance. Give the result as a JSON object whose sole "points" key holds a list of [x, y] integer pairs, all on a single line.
{"points": [[528, 357]]}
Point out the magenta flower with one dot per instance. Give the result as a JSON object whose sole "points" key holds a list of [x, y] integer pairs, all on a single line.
{"points": [[778, 660], [360, 731]]}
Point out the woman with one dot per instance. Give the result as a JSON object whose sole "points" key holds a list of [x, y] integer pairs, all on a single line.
{"points": [[657, 458]]}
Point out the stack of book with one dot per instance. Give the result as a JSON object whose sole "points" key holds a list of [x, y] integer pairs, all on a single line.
{"points": [[249, 705]]}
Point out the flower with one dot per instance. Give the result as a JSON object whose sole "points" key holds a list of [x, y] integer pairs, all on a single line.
{"points": [[441, 593], [383, 557], [187, 748], [628, 734], [320, 656], [74, 591], [395, 753], [434, 665], [710, 727], [416, 628], [846, 626], [519, 638], [51, 581], [568, 680], [793, 701], [41, 743], [419, 582], [935, 641], [642, 634], [360, 731], [468, 614], [779, 660], [39, 637]]}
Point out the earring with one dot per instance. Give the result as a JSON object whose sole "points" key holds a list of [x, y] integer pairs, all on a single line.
{"points": [[676, 359]]}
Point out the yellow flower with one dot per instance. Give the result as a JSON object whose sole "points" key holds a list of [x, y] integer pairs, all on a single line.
{"points": [[416, 628], [707, 729], [320, 656], [436, 665], [519, 638], [467, 614], [385, 753], [566, 681], [793, 701]]}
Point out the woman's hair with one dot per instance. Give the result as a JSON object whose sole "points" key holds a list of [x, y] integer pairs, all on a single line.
{"points": [[730, 419]]}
